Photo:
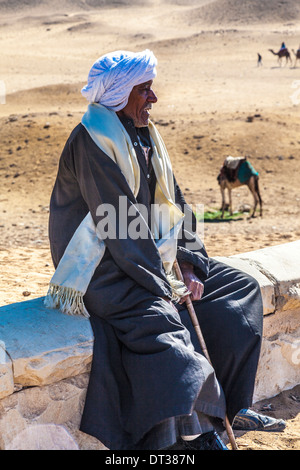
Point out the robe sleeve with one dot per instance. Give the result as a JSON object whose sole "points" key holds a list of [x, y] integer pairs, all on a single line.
{"points": [[190, 248], [103, 185]]}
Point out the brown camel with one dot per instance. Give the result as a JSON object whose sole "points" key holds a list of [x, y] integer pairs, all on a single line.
{"points": [[297, 55], [281, 54], [228, 179]]}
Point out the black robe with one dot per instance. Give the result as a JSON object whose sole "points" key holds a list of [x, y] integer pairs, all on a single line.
{"points": [[148, 375]]}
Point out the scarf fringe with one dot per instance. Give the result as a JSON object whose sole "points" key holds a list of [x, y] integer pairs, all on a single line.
{"points": [[179, 289], [70, 301], [66, 299]]}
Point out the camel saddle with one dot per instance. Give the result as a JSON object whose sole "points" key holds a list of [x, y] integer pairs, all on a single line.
{"points": [[237, 168], [231, 167]]}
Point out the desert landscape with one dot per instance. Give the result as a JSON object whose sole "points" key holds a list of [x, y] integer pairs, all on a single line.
{"points": [[214, 100]]}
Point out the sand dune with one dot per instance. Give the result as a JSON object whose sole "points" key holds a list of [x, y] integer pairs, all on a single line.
{"points": [[69, 6], [237, 12], [219, 12]]}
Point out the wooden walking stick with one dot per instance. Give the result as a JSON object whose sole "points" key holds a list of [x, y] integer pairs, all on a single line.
{"points": [[196, 325]]}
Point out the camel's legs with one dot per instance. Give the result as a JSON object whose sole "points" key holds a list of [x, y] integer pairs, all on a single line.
{"points": [[230, 200], [253, 186], [258, 196], [223, 200], [255, 205], [260, 202]]}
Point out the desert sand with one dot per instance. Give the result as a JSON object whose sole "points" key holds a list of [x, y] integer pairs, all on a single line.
{"points": [[213, 101]]}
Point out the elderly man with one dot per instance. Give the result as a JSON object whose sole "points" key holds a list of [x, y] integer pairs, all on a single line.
{"points": [[118, 221]]}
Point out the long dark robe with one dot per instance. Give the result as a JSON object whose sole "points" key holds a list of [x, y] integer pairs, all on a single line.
{"points": [[148, 370]]}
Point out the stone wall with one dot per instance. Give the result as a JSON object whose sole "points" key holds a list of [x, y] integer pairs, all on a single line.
{"points": [[277, 270], [46, 417], [45, 356]]}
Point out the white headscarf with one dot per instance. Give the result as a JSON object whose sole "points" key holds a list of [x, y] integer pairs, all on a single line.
{"points": [[113, 76]]}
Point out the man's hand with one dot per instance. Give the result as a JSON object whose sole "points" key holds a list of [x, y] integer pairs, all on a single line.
{"points": [[192, 282]]}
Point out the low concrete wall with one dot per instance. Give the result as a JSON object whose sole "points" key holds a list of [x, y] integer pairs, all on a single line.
{"points": [[277, 270], [45, 356]]}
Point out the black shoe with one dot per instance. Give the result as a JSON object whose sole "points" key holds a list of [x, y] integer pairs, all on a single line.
{"points": [[207, 441], [248, 420]]}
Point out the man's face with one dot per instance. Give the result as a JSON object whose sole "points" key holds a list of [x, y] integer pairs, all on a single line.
{"points": [[139, 104]]}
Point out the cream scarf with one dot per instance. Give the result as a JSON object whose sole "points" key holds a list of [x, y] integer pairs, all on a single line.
{"points": [[85, 250]]}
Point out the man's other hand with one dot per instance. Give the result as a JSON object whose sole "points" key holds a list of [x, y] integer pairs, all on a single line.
{"points": [[192, 282]]}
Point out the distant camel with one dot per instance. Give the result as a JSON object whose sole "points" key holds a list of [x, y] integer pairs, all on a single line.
{"points": [[228, 178], [297, 55], [281, 54]]}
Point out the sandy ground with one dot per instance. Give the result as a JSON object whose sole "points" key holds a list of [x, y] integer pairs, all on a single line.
{"points": [[214, 101]]}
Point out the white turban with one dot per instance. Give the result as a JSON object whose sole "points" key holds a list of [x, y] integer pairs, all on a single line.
{"points": [[113, 76]]}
